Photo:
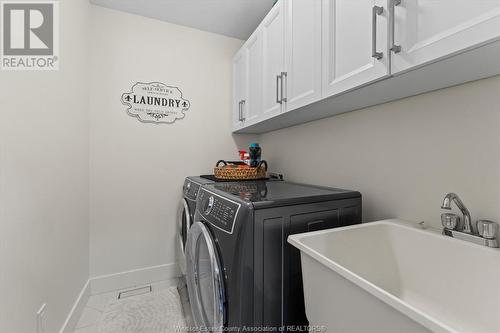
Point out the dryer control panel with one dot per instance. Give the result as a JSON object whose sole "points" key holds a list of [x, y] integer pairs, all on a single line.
{"points": [[218, 211], [190, 189]]}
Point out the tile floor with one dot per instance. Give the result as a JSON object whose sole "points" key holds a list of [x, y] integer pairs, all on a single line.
{"points": [[97, 303]]}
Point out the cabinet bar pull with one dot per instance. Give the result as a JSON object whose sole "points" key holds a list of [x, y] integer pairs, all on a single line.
{"points": [[376, 10], [243, 118], [392, 19], [239, 110], [284, 83], [278, 78]]}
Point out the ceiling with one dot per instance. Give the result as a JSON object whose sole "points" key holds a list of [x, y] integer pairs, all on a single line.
{"points": [[233, 18]]}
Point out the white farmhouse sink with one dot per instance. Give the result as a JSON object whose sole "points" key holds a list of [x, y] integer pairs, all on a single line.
{"points": [[393, 277]]}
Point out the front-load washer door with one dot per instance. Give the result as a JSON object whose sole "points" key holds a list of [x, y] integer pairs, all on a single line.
{"points": [[183, 224], [205, 279]]}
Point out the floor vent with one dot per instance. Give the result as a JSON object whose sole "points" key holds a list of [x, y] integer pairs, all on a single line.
{"points": [[135, 292]]}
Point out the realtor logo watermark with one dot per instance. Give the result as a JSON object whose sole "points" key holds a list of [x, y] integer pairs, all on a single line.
{"points": [[29, 35]]}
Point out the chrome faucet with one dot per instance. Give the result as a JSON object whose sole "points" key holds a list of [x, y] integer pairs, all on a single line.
{"points": [[486, 230], [449, 197]]}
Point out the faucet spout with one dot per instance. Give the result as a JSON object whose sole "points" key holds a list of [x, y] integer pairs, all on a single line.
{"points": [[452, 197]]}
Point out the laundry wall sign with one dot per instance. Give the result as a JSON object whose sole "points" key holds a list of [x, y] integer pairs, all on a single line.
{"points": [[155, 102]]}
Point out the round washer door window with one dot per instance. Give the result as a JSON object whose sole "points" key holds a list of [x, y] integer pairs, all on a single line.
{"points": [[205, 279]]}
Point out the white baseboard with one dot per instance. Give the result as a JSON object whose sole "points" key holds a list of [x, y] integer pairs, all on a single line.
{"points": [[77, 309], [137, 277]]}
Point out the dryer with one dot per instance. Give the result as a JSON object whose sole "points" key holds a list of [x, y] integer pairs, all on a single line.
{"points": [[185, 215], [240, 269]]}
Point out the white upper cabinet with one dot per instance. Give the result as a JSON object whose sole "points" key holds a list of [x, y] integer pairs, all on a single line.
{"points": [[282, 63], [351, 54], [252, 108], [239, 88], [355, 46], [427, 30], [273, 60], [302, 81]]}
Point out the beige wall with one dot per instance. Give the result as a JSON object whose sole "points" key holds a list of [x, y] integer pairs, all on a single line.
{"points": [[404, 155], [44, 241], [137, 169]]}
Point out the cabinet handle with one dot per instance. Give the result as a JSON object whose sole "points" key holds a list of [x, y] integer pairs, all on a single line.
{"points": [[376, 10], [278, 78], [239, 110], [243, 118], [284, 83], [392, 21]]}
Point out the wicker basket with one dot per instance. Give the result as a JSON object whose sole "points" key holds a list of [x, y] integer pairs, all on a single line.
{"points": [[232, 172]]}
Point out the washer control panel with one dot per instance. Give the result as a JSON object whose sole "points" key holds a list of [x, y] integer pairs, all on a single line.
{"points": [[218, 211]]}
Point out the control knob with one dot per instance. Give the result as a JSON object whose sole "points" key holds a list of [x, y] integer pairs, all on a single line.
{"points": [[187, 188], [209, 205]]}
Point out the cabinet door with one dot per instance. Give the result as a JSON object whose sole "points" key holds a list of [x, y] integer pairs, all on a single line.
{"points": [[352, 32], [252, 106], [273, 59], [428, 30], [302, 53], [239, 87]]}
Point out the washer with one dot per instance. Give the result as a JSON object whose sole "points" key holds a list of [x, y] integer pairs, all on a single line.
{"points": [[240, 269], [185, 214]]}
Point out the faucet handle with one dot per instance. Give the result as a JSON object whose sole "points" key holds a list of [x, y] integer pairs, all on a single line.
{"points": [[450, 221], [487, 229]]}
